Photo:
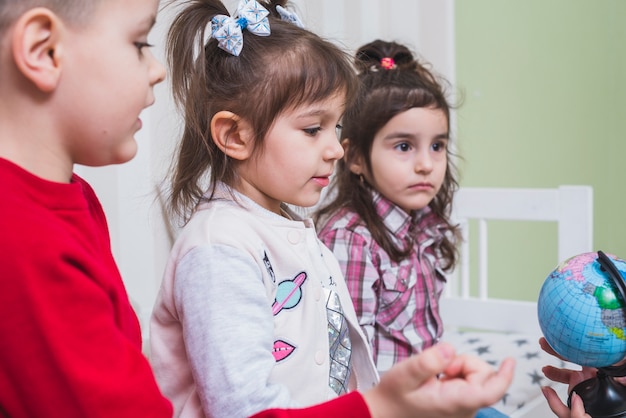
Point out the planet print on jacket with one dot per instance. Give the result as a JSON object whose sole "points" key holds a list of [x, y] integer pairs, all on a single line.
{"points": [[288, 295]]}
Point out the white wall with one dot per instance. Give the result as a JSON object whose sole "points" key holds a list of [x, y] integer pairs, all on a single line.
{"points": [[139, 239]]}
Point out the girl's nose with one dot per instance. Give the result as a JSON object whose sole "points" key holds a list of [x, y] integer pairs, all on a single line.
{"points": [[157, 70], [423, 162], [334, 151]]}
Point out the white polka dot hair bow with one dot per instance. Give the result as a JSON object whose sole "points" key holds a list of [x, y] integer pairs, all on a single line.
{"points": [[227, 30]]}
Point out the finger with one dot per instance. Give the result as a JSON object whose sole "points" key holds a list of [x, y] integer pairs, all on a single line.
{"points": [[578, 408], [507, 369], [469, 366], [479, 382], [426, 365], [543, 343], [474, 369], [567, 376], [497, 385], [558, 375], [554, 402]]}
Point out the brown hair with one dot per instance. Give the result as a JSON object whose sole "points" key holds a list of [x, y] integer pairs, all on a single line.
{"points": [[274, 73], [73, 11], [389, 87]]}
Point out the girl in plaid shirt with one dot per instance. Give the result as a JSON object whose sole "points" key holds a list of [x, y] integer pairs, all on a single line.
{"points": [[388, 222]]}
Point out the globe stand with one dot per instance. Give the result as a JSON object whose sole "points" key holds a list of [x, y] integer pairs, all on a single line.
{"points": [[602, 396]]}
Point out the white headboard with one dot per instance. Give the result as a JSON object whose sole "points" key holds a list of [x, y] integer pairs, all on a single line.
{"points": [[570, 206]]}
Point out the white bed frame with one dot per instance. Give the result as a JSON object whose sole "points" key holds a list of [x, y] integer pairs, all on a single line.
{"points": [[570, 206]]}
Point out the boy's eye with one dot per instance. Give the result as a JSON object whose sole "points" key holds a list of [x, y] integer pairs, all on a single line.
{"points": [[142, 45]]}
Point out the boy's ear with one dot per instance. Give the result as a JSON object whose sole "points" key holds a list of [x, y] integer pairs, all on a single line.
{"points": [[36, 48], [355, 165], [232, 135]]}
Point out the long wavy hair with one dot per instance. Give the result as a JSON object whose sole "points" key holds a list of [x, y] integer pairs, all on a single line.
{"points": [[384, 93]]}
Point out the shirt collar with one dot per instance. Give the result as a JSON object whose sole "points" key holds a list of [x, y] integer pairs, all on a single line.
{"points": [[423, 222], [397, 221]]}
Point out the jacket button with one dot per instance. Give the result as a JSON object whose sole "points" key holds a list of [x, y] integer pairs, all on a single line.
{"points": [[294, 237], [319, 357]]}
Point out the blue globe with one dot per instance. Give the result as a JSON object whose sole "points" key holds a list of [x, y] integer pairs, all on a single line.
{"points": [[581, 312]]}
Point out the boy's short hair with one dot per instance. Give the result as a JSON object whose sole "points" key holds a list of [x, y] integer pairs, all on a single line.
{"points": [[73, 11]]}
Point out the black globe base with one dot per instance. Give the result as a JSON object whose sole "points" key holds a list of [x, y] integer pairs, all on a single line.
{"points": [[602, 395]]}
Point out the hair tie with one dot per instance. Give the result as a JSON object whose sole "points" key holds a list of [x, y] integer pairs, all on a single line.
{"points": [[388, 63], [227, 30], [288, 16]]}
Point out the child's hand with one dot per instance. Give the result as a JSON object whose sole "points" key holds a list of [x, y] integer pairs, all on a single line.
{"points": [[411, 388], [560, 409], [571, 378]]}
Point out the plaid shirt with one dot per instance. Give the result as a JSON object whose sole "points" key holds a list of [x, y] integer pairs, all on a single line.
{"points": [[397, 303]]}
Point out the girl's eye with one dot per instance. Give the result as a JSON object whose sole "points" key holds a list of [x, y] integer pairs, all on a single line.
{"points": [[338, 130], [403, 146], [439, 146], [312, 131]]}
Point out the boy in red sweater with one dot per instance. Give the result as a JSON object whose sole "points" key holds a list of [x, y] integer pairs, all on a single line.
{"points": [[75, 75]]}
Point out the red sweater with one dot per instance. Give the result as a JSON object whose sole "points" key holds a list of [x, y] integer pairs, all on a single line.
{"points": [[351, 405], [71, 343]]}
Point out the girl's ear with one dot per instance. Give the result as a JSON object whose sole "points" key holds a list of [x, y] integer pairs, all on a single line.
{"points": [[232, 135], [354, 164], [37, 49]]}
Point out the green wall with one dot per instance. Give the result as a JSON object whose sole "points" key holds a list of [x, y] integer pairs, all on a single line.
{"points": [[542, 85]]}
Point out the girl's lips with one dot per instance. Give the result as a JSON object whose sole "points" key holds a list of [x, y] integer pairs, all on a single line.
{"points": [[421, 186], [322, 181]]}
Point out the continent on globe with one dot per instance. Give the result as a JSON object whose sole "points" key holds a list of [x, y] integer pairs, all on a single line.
{"points": [[611, 308], [582, 313]]}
